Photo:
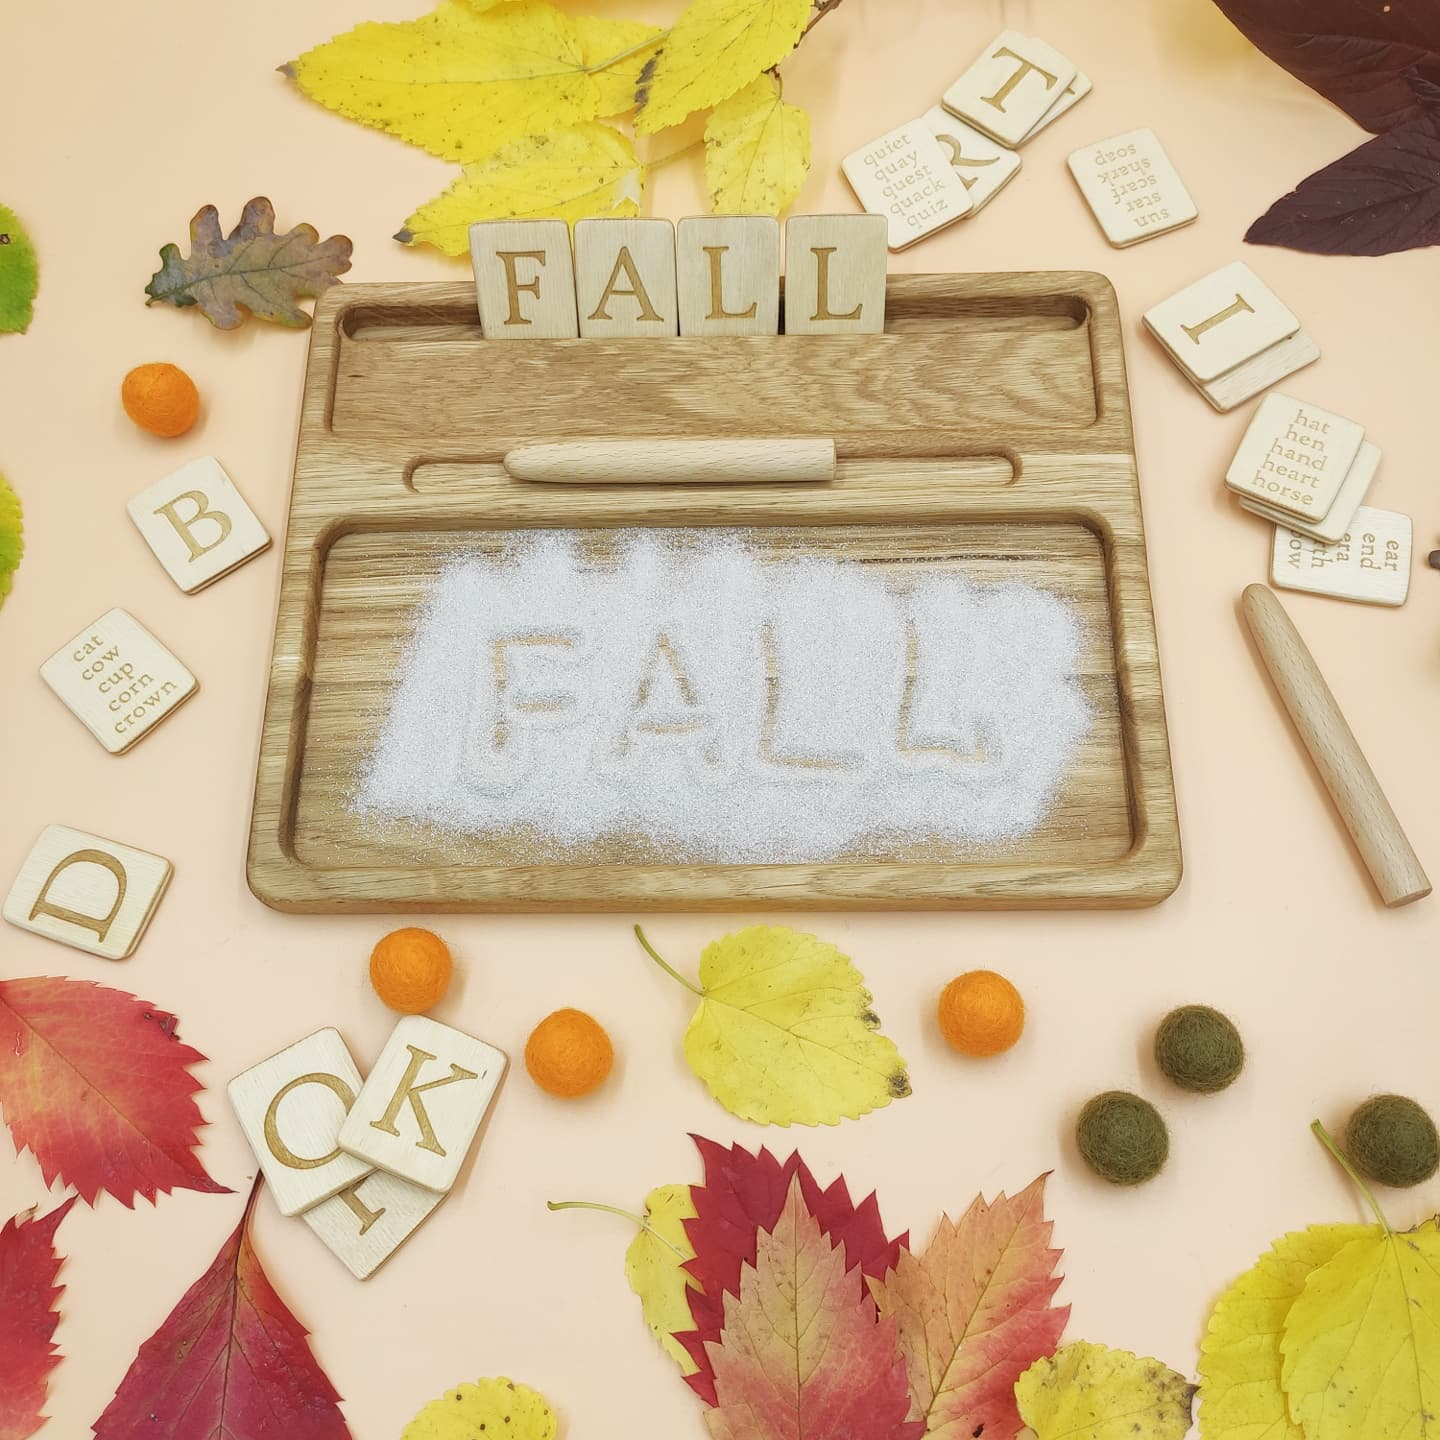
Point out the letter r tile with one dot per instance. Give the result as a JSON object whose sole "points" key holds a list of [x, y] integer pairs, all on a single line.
{"points": [[419, 1111]]}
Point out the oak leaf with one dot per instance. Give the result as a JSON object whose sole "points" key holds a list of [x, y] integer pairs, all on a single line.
{"points": [[96, 1084], [19, 275], [757, 150], [497, 1407], [252, 270], [1096, 1393], [584, 170], [784, 1033], [29, 1264], [803, 1353], [655, 1267], [974, 1311], [229, 1360]]}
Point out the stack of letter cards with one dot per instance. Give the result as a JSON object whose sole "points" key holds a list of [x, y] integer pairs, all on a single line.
{"points": [[1132, 188], [1231, 335], [364, 1162], [949, 163]]}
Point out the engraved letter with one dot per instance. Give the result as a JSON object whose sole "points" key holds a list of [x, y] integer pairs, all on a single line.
{"points": [[362, 1212], [637, 291], [959, 158], [718, 311], [100, 924], [513, 286], [278, 1148], [1241, 307], [407, 1089], [185, 529], [822, 254], [999, 98]]}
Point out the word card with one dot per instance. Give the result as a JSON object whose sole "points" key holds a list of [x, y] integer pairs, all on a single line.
{"points": [[367, 1222], [291, 1107], [93, 894], [419, 1111], [835, 275], [1008, 91], [984, 167], [1371, 563], [906, 176], [1294, 457], [198, 524], [1131, 187], [1334, 525], [625, 278], [1231, 335], [118, 680]]}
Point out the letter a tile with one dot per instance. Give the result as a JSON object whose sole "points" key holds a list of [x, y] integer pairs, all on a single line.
{"points": [[423, 1103]]}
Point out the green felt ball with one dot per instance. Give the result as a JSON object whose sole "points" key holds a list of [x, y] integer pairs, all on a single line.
{"points": [[1122, 1138], [1199, 1049], [1392, 1140]]}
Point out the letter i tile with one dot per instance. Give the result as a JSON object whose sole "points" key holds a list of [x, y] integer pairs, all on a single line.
{"points": [[419, 1111], [365, 1224]]}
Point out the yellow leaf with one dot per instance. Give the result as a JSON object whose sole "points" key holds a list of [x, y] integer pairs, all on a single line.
{"points": [[628, 45], [757, 151], [1240, 1393], [497, 1407], [1362, 1341], [459, 82], [785, 1034], [716, 48], [653, 1266], [584, 170], [1089, 1392], [12, 537]]}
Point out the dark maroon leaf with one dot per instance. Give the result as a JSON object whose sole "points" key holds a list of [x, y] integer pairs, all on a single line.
{"points": [[1383, 197]]}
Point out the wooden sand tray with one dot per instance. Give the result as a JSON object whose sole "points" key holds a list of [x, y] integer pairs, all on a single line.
{"points": [[987, 430]]}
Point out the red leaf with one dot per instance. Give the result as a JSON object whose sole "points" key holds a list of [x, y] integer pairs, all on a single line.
{"points": [[1366, 56], [28, 1292], [1383, 197], [94, 1082], [229, 1363], [803, 1352], [743, 1196]]}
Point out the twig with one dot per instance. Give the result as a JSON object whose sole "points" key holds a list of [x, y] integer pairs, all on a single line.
{"points": [[822, 9]]}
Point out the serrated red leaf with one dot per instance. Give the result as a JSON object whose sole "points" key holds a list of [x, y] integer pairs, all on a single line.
{"points": [[803, 1353], [229, 1363], [741, 1197], [1380, 198], [94, 1082], [29, 1264]]}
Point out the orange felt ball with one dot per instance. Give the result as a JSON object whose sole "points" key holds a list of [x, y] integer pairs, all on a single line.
{"points": [[569, 1054], [981, 1013], [410, 970], [160, 398]]}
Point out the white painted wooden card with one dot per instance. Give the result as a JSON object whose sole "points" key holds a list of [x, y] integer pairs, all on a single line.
{"points": [[198, 525], [625, 278], [835, 274], [1009, 89], [1337, 519], [1131, 187], [419, 1111], [1294, 456], [1070, 97], [906, 176], [1371, 563], [291, 1108], [727, 268], [524, 279], [367, 1222], [90, 893], [118, 680], [983, 166]]}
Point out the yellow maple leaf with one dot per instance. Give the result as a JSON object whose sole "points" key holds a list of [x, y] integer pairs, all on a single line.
{"points": [[654, 1267], [784, 1034], [715, 48], [583, 170], [1094, 1392], [459, 82], [1240, 1392], [1362, 1341], [497, 1407], [615, 52], [757, 151]]}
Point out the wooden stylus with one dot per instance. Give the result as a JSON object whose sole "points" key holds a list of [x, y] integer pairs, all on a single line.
{"points": [[674, 462]]}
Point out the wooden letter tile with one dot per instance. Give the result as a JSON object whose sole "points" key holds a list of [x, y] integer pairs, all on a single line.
{"points": [[1009, 89], [367, 1222], [424, 1101], [524, 279], [835, 274], [198, 524], [1371, 563], [1335, 524], [1131, 187], [291, 1107], [728, 271], [984, 168], [1294, 457], [1072, 95], [94, 894], [1268, 368], [118, 680], [625, 278], [907, 177]]}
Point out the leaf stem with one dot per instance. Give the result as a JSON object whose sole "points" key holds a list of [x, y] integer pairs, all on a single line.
{"points": [[822, 9], [626, 54], [1323, 1135], [669, 970], [630, 1215], [673, 155]]}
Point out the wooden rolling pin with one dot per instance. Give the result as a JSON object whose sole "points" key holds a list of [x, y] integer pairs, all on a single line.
{"points": [[1337, 755], [674, 462]]}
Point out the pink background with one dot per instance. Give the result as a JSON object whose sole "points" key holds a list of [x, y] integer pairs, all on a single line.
{"points": [[115, 132]]}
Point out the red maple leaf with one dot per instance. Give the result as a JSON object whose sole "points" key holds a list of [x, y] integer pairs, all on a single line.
{"points": [[229, 1363], [95, 1083], [742, 1197], [28, 1292]]}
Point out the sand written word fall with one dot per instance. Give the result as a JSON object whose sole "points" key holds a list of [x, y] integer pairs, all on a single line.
{"points": [[692, 695]]}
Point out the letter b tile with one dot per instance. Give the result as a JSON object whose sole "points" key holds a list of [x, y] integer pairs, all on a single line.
{"points": [[419, 1111]]}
